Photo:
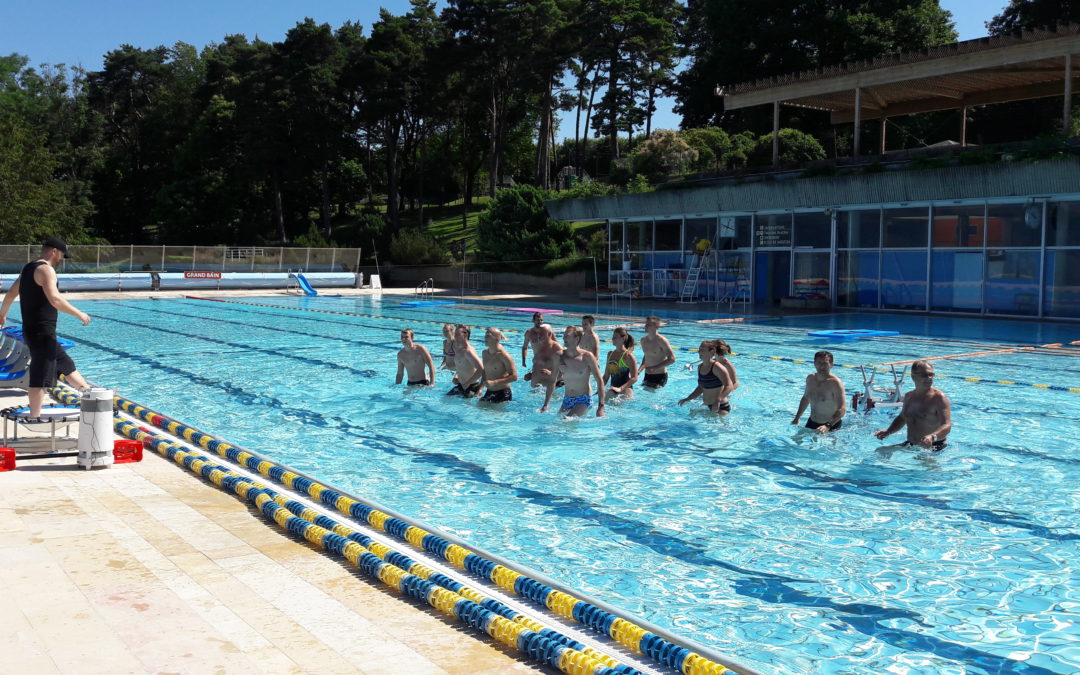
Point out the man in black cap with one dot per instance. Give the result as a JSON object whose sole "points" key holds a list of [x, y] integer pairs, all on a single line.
{"points": [[40, 300]]}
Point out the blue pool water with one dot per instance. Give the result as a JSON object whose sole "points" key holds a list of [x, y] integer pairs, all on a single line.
{"points": [[786, 551]]}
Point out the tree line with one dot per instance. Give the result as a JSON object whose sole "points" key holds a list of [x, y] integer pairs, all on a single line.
{"points": [[343, 135]]}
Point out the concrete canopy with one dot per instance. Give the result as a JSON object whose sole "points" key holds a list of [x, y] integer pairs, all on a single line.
{"points": [[1032, 64]]}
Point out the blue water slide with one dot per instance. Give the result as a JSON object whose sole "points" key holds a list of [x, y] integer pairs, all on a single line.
{"points": [[308, 290]]}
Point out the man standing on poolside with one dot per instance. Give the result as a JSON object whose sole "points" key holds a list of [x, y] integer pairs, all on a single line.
{"points": [[467, 365], [589, 340], [576, 367], [658, 355], [499, 369], [926, 412], [531, 337], [824, 394], [414, 358], [40, 300]]}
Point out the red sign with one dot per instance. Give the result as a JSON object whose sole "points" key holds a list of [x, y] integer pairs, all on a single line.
{"points": [[202, 275]]}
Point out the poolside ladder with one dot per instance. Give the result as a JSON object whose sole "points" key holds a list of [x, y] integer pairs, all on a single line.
{"points": [[690, 284], [424, 289]]}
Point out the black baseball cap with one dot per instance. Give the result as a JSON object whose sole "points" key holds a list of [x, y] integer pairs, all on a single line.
{"points": [[57, 243]]}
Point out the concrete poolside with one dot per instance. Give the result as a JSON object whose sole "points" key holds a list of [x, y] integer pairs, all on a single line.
{"points": [[145, 568]]}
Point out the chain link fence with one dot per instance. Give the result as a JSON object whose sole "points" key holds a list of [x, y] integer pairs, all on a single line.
{"points": [[129, 258]]}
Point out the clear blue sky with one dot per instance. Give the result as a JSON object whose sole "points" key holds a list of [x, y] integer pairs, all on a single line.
{"points": [[77, 32]]}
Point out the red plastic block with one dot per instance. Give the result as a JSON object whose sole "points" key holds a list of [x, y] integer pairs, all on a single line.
{"points": [[125, 452]]}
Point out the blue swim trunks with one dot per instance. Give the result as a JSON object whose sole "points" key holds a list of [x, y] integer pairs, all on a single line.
{"points": [[569, 402]]}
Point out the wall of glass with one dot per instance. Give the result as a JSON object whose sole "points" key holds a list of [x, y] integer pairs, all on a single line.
{"points": [[1016, 259]]}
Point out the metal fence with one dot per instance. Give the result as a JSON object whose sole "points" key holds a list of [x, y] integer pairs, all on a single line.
{"points": [[131, 258]]}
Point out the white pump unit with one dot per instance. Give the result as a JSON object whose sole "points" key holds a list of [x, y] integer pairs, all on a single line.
{"points": [[96, 428]]}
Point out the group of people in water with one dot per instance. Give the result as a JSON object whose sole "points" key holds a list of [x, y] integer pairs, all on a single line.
{"points": [[574, 366]]}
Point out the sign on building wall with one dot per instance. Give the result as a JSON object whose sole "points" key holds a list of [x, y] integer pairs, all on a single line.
{"points": [[773, 232]]}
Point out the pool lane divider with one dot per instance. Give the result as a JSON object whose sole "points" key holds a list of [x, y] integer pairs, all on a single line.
{"points": [[628, 633], [395, 569], [878, 368]]}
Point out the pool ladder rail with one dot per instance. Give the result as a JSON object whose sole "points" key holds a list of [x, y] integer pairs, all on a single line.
{"points": [[425, 290]]}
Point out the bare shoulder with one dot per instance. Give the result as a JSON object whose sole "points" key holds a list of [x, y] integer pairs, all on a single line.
{"points": [[44, 273]]}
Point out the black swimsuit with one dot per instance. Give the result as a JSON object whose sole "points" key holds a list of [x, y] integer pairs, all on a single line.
{"points": [[709, 380]]}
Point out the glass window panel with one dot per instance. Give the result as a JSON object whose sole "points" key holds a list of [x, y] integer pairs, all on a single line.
{"points": [[1063, 224], [669, 235], [857, 279], [615, 235], [957, 281], [957, 226], [812, 274], [858, 229], [699, 228], [639, 235], [735, 231], [1062, 297], [773, 230], [813, 230], [1012, 282], [903, 280], [1014, 225], [906, 227]]}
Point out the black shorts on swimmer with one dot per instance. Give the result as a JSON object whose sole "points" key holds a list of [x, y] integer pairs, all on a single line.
{"points": [[499, 396], [811, 424], [472, 391], [937, 446], [655, 380], [419, 383]]}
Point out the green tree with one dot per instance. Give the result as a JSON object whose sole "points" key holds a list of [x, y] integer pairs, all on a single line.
{"points": [[712, 145], [795, 147], [665, 154], [413, 246], [515, 226], [1028, 14], [33, 202], [732, 41]]}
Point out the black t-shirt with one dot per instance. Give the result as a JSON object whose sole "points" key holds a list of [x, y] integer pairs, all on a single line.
{"points": [[38, 314]]}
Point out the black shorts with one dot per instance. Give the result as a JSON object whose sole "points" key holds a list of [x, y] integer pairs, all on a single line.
{"points": [[937, 446], [655, 380], [499, 396], [47, 359], [811, 424], [458, 390], [419, 383]]}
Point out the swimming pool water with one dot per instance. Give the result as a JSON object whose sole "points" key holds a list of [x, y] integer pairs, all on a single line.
{"points": [[789, 552]]}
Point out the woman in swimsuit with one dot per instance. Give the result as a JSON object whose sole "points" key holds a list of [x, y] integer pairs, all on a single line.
{"points": [[714, 381], [622, 369], [448, 347], [723, 350]]}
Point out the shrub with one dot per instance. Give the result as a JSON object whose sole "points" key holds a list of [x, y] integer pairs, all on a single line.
{"points": [[713, 146], [666, 153], [412, 246], [515, 226], [795, 147]]}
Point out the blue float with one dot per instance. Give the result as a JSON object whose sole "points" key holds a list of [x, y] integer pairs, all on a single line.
{"points": [[426, 303]]}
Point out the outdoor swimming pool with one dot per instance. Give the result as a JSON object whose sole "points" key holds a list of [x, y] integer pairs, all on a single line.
{"points": [[788, 552]]}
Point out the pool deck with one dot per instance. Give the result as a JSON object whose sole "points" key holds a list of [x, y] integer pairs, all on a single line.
{"points": [[144, 568]]}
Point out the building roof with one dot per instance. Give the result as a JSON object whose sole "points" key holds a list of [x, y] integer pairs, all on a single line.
{"points": [[987, 70]]}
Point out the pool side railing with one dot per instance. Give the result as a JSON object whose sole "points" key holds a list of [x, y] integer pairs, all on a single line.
{"points": [[681, 654]]}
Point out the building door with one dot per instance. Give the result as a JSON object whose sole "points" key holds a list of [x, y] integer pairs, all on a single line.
{"points": [[772, 277]]}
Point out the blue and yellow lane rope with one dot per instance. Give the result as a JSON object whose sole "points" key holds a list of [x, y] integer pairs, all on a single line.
{"points": [[627, 633], [395, 569], [979, 380]]}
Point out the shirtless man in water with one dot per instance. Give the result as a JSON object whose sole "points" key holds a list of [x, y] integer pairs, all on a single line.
{"points": [[467, 365], [499, 369], [824, 394], [414, 359], [658, 355], [926, 412], [576, 367], [589, 340], [545, 370], [531, 337]]}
